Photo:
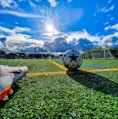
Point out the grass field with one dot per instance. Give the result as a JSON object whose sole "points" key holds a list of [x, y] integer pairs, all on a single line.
{"points": [[86, 94]]}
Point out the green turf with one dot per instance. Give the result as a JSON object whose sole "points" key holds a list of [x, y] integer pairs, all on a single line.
{"points": [[35, 65], [68, 96], [106, 63]]}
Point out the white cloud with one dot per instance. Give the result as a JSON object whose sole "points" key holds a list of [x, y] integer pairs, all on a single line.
{"points": [[38, 0], [14, 30], [19, 42], [1, 45], [19, 14], [53, 3], [2, 36], [106, 23], [109, 1], [107, 9], [20, 29], [3, 29], [16, 41], [84, 35], [111, 18], [109, 40], [32, 4], [112, 27], [23, 39], [69, 1], [8, 3]]}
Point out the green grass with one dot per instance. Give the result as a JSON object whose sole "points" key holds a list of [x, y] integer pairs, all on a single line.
{"points": [[35, 65], [107, 63], [68, 96]]}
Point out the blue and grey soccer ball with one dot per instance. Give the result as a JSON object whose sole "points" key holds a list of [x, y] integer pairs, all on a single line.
{"points": [[72, 59]]}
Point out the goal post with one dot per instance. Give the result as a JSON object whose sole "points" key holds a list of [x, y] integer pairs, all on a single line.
{"points": [[102, 54]]}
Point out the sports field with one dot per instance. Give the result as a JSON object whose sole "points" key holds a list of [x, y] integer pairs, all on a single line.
{"points": [[50, 91]]}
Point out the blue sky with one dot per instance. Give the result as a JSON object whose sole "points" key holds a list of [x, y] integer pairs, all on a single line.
{"points": [[27, 25]]}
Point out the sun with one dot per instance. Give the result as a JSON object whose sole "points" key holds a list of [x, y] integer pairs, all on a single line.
{"points": [[51, 30]]}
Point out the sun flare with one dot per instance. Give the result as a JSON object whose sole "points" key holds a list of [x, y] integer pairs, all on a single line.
{"points": [[51, 30]]}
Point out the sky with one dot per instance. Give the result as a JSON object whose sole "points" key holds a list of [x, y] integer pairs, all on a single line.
{"points": [[57, 25]]}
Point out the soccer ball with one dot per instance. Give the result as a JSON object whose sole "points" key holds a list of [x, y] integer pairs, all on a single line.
{"points": [[72, 59]]}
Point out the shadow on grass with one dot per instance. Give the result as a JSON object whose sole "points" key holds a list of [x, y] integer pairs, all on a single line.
{"points": [[95, 82], [15, 88]]}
